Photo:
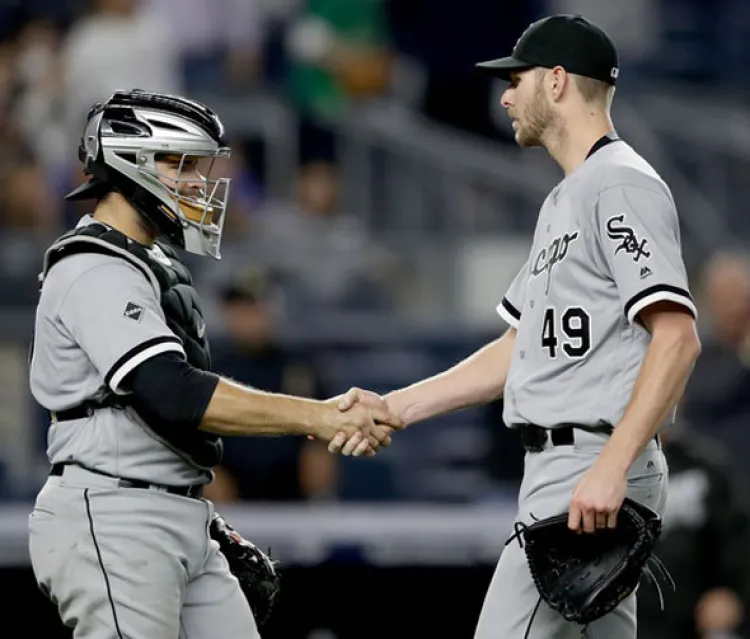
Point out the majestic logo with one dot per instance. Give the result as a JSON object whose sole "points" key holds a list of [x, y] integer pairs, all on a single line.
{"points": [[133, 311], [553, 254], [628, 241]]}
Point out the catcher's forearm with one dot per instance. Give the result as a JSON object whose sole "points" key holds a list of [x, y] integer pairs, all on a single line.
{"points": [[665, 371], [239, 410], [476, 380]]}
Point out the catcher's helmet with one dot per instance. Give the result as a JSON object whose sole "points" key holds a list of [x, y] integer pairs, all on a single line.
{"points": [[125, 136]]}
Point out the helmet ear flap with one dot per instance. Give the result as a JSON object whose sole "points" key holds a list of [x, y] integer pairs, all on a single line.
{"points": [[89, 149]]}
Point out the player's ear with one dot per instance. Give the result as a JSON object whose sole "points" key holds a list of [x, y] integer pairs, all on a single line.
{"points": [[556, 80]]}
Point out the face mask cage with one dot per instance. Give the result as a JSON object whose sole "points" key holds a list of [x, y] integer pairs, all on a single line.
{"points": [[190, 194]]}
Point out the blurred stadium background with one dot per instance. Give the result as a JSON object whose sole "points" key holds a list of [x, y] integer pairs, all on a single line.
{"points": [[379, 209]]}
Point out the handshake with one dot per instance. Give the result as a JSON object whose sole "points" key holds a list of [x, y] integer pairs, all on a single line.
{"points": [[359, 423]]}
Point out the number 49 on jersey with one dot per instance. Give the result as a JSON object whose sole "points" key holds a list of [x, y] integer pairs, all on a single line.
{"points": [[569, 330]]}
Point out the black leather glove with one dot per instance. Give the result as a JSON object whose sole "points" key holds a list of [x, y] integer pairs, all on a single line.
{"points": [[253, 568]]}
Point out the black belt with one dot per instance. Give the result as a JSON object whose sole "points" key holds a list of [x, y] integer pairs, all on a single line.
{"points": [[534, 437], [77, 412], [194, 491]]}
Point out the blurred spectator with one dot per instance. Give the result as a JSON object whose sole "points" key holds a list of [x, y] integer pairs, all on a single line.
{"points": [[338, 54], [26, 203], [704, 545], [717, 398], [9, 90], [220, 42], [326, 259], [30, 220], [41, 95], [246, 199], [118, 44], [267, 468]]}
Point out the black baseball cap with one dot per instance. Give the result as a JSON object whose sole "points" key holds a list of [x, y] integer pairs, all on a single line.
{"points": [[570, 41]]}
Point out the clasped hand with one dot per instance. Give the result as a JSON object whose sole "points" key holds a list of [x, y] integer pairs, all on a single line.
{"points": [[365, 423]]}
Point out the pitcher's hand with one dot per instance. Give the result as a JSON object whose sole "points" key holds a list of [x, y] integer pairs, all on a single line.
{"points": [[357, 424], [597, 498], [386, 423]]}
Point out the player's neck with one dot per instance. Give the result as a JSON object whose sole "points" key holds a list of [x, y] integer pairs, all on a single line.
{"points": [[571, 144], [115, 211]]}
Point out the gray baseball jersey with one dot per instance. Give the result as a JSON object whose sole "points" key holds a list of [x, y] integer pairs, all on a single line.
{"points": [[606, 246], [98, 318]]}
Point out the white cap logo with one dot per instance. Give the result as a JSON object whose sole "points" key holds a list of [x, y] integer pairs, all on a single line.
{"points": [[614, 73]]}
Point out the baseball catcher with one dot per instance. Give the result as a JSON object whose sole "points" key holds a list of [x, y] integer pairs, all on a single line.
{"points": [[121, 361]]}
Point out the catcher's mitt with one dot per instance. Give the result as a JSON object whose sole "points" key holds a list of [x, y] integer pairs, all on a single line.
{"points": [[585, 576], [253, 568]]}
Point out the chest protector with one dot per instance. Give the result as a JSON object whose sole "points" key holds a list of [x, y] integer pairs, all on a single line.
{"points": [[181, 306]]}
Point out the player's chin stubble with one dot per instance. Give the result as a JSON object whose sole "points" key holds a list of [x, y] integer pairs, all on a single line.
{"points": [[537, 118]]}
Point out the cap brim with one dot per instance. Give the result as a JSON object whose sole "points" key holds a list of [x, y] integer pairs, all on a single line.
{"points": [[503, 67]]}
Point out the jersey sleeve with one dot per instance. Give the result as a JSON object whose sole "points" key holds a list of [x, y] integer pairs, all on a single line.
{"points": [[113, 314], [639, 236], [510, 306]]}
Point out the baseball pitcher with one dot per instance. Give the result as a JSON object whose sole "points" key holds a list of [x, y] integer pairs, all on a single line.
{"points": [[602, 332]]}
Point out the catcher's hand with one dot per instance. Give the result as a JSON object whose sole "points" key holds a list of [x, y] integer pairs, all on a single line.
{"points": [[255, 570], [584, 577]]}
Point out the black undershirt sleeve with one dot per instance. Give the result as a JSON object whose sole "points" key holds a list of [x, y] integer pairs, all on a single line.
{"points": [[169, 392]]}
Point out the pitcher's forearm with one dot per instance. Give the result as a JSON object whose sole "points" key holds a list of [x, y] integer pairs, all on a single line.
{"points": [[477, 380], [238, 410], [658, 388]]}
